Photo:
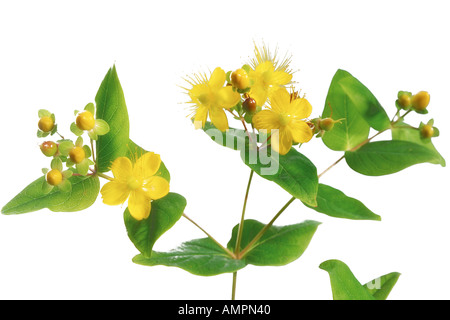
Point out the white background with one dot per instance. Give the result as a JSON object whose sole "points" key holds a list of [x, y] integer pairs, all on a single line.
{"points": [[54, 55]]}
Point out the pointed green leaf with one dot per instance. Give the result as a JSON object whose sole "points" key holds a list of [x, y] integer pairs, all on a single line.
{"points": [[344, 285], [353, 128], [82, 195], [164, 213], [380, 287], [201, 257], [386, 157], [111, 108], [278, 246], [335, 203], [404, 132]]}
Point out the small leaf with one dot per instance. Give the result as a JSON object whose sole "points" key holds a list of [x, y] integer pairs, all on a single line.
{"points": [[164, 213], [56, 164], [386, 157], [44, 113], [83, 194], [101, 127], [75, 130], [344, 285], [201, 257], [278, 246], [380, 287], [90, 107], [335, 203]]}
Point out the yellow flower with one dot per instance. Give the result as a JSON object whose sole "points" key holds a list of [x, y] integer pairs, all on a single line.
{"points": [[137, 183], [267, 74], [211, 97], [285, 115]]}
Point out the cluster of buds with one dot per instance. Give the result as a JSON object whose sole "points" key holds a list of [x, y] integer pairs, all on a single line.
{"points": [[418, 103], [75, 155]]}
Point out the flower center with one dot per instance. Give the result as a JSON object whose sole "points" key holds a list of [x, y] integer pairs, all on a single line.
{"points": [[133, 183], [284, 119]]}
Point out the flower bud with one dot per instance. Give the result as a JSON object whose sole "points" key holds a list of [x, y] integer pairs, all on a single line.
{"points": [[427, 131], [326, 124], [420, 100], [49, 148], [240, 79], [404, 101], [46, 124], [54, 177], [85, 120], [77, 154], [249, 105]]}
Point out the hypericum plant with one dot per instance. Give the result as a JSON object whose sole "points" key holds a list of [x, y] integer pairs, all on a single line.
{"points": [[275, 121]]}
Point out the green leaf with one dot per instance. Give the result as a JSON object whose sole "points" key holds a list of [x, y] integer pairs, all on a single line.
{"points": [[386, 157], [344, 285], [164, 213], [404, 132], [294, 172], [201, 257], [348, 99], [278, 246], [235, 139], [83, 194], [111, 108], [335, 203], [380, 287], [134, 152]]}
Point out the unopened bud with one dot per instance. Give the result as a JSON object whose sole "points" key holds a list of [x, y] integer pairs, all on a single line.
{"points": [[240, 79], [420, 100]]}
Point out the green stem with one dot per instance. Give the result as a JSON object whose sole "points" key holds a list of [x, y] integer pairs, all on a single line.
{"points": [[104, 176], [231, 254], [239, 235], [248, 248]]}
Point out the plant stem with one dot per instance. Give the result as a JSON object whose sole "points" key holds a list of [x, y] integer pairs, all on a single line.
{"points": [[247, 249], [104, 176], [241, 225], [239, 235], [231, 254]]}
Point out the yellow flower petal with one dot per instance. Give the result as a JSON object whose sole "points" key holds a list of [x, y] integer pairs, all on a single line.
{"points": [[139, 204], [217, 79], [266, 120], [147, 165], [300, 131], [121, 168], [157, 187], [260, 94], [280, 100], [198, 92], [281, 141], [266, 66], [300, 108], [281, 78], [200, 117], [227, 98], [219, 118], [114, 193]]}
